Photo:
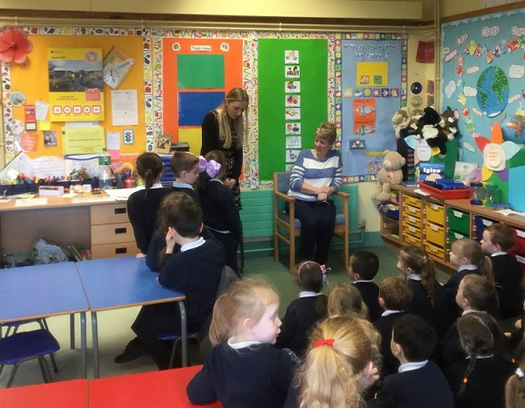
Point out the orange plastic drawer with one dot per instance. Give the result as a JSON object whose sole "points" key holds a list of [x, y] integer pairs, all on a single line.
{"points": [[413, 201], [414, 231], [435, 213], [411, 240], [411, 220], [435, 234], [435, 250], [411, 210]]}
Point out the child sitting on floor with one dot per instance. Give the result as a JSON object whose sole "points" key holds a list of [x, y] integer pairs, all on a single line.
{"points": [[362, 269], [243, 370], [419, 382], [395, 295], [302, 313], [475, 294], [498, 238], [345, 299], [479, 380], [467, 255]]}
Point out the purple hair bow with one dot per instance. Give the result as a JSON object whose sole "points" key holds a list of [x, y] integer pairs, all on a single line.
{"points": [[211, 167]]}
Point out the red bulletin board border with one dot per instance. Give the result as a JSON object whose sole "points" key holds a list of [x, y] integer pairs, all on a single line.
{"points": [[233, 68]]}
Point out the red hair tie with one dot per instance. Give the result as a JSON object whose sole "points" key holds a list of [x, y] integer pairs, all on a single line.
{"points": [[327, 342]]}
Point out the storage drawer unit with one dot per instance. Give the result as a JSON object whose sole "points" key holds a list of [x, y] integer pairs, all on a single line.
{"points": [[414, 231], [410, 200], [454, 236], [412, 240], [481, 223], [435, 213], [111, 232], [411, 210], [459, 221], [411, 220], [435, 234], [519, 241], [435, 250]]}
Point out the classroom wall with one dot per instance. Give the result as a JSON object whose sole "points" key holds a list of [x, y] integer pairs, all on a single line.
{"points": [[402, 10]]}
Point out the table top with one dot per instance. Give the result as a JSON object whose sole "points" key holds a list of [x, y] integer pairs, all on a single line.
{"points": [[114, 283], [39, 291], [64, 394], [153, 389]]}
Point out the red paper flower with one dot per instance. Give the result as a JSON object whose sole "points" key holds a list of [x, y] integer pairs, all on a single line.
{"points": [[14, 45]]}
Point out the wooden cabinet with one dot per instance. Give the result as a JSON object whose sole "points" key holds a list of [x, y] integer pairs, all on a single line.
{"points": [[435, 224], [111, 231]]}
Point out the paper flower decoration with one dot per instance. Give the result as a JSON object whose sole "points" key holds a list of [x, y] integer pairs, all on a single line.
{"points": [[14, 45]]}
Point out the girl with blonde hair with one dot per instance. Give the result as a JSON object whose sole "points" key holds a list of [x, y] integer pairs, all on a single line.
{"points": [[243, 369], [345, 299], [341, 363]]}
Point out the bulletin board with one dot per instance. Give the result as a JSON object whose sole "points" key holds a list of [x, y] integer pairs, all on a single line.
{"points": [[293, 89], [197, 74], [483, 74], [32, 81], [373, 81]]}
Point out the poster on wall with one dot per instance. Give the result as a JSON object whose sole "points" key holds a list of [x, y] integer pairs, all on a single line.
{"points": [[373, 80], [76, 84], [483, 70]]}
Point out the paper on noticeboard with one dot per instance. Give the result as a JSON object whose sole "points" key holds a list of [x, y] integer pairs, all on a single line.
{"points": [[124, 107], [83, 140]]}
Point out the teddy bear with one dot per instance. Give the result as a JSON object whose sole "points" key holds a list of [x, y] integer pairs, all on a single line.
{"points": [[431, 127], [451, 123], [400, 121], [389, 174]]}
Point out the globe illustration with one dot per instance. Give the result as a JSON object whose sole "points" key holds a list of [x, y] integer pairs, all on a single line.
{"points": [[493, 91]]}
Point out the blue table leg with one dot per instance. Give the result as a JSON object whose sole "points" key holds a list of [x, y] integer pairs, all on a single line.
{"points": [[183, 332], [83, 345], [94, 328], [72, 331]]}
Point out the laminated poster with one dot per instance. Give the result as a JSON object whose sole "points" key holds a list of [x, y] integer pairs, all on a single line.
{"points": [[76, 84]]}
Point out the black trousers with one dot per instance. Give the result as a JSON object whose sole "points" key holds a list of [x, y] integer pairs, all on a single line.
{"points": [[317, 228]]}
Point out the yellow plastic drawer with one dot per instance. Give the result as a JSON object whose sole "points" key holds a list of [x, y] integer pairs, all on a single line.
{"points": [[410, 229], [435, 234], [413, 201], [411, 220], [435, 213], [109, 213], [435, 250], [411, 210], [112, 233], [411, 240]]}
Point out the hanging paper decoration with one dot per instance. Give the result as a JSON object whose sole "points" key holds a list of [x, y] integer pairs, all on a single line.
{"points": [[14, 45]]}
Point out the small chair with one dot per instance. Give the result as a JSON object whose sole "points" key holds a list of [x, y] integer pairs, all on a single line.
{"points": [[286, 231], [20, 347], [12, 328], [175, 337]]}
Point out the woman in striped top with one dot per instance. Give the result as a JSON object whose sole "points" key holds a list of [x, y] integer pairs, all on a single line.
{"points": [[315, 177]]}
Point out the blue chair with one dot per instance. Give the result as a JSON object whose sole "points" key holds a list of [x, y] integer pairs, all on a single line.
{"points": [[25, 346], [175, 337], [12, 328], [286, 231]]}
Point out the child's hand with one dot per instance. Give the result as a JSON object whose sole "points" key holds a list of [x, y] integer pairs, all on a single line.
{"points": [[171, 240], [369, 376], [230, 183]]}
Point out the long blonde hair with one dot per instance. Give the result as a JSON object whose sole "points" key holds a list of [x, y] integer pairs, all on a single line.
{"points": [[248, 298], [330, 374], [515, 387], [235, 95], [471, 250]]}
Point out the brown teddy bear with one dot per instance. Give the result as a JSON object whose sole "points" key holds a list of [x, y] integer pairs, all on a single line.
{"points": [[389, 174]]}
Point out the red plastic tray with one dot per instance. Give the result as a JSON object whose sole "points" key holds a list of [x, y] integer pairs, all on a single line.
{"points": [[445, 194]]}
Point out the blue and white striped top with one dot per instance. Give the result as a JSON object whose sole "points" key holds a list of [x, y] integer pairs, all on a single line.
{"points": [[318, 173]]}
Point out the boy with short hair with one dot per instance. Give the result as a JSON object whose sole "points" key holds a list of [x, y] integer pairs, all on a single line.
{"points": [[195, 270], [185, 168], [498, 238], [362, 269], [419, 382], [395, 295]]}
